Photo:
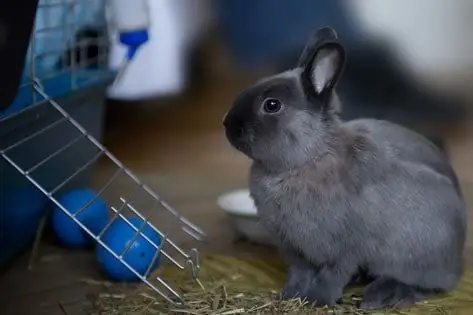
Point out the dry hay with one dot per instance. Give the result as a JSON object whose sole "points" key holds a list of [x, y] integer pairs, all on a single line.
{"points": [[235, 286]]}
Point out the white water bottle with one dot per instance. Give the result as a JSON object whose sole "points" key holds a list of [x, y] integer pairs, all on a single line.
{"points": [[158, 68], [131, 20]]}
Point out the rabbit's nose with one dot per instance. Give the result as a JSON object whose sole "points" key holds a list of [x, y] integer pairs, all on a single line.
{"points": [[224, 119], [229, 121], [233, 123]]}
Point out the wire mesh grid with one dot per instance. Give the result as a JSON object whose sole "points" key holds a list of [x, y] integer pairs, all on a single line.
{"points": [[43, 167], [68, 50]]}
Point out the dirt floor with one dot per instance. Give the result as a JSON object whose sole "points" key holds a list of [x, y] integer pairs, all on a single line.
{"points": [[178, 148]]}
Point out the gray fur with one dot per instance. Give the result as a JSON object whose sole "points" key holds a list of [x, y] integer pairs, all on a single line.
{"points": [[341, 197]]}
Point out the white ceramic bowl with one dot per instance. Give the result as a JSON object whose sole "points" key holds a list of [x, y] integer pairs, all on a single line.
{"points": [[240, 207]]}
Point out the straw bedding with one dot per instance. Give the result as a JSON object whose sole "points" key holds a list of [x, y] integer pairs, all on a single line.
{"points": [[249, 286]]}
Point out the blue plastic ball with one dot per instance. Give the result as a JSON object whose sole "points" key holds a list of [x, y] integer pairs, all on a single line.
{"points": [[140, 254], [94, 217]]}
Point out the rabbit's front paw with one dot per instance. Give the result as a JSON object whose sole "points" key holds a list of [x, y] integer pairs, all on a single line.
{"points": [[320, 296], [291, 291], [310, 292], [298, 281], [317, 287]]}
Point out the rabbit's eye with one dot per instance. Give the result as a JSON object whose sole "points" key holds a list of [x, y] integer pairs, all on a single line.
{"points": [[272, 105]]}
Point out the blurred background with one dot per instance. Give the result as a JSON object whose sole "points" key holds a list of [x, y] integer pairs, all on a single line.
{"points": [[408, 66], [408, 62]]}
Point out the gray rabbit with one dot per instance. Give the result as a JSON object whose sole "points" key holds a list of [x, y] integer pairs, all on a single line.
{"points": [[343, 198]]}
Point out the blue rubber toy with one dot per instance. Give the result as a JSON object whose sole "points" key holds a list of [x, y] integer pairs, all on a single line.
{"points": [[94, 217], [140, 254]]}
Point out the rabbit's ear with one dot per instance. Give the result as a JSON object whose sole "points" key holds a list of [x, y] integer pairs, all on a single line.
{"points": [[322, 35], [324, 62]]}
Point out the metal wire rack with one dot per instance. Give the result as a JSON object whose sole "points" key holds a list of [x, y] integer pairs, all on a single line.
{"points": [[83, 68]]}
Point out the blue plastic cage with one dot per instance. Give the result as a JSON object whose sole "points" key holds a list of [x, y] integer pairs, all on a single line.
{"points": [[67, 52], [63, 64], [50, 144]]}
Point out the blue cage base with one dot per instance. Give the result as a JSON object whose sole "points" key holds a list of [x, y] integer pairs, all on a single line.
{"points": [[22, 205]]}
